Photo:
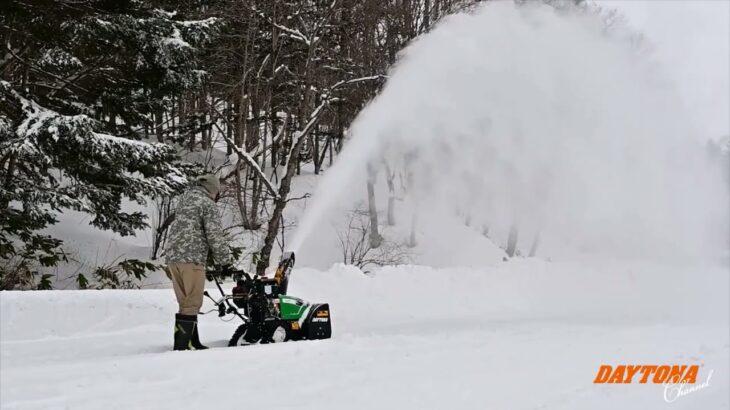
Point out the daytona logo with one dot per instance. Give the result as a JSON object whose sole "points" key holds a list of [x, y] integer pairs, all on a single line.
{"points": [[320, 319], [644, 373]]}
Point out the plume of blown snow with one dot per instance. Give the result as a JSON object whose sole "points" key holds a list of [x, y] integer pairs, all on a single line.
{"points": [[543, 119]]}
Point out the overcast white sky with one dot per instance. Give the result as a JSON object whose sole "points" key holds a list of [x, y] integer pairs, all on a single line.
{"points": [[692, 38]]}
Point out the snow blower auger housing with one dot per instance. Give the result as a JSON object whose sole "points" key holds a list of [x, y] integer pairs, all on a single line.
{"points": [[270, 315]]}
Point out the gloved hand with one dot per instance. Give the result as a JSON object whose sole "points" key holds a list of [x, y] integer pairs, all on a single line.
{"points": [[226, 271], [222, 272]]}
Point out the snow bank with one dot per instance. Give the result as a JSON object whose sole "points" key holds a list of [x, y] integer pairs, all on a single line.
{"points": [[522, 289]]}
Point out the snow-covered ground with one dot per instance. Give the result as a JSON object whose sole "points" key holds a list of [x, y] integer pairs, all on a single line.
{"points": [[524, 334], [459, 328]]}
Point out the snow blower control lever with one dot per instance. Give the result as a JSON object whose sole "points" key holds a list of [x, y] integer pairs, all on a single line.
{"points": [[268, 313]]}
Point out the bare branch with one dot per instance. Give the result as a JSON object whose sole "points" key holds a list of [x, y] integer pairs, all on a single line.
{"points": [[305, 196], [243, 155]]}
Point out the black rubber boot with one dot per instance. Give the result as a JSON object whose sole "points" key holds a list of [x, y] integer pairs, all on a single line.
{"points": [[184, 329], [195, 340]]}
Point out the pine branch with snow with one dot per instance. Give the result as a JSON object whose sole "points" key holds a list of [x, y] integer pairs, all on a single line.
{"points": [[80, 87]]}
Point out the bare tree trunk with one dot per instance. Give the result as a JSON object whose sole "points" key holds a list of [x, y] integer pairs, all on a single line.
{"points": [[331, 153], [284, 188], [9, 176], [158, 126], [229, 128], [390, 177], [240, 200], [375, 238], [535, 244], [203, 111], [323, 154], [240, 112], [426, 15], [273, 226], [274, 144], [412, 238], [164, 219], [193, 103], [252, 127], [265, 140], [315, 156], [171, 113], [255, 200], [512, 240], [299, 163], [181, 114]]}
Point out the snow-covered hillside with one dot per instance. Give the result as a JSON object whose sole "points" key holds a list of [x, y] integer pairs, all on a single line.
{"points": [[525, 334]]}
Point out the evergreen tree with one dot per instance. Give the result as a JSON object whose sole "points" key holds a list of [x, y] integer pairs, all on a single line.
{"points": [[80, 84]]}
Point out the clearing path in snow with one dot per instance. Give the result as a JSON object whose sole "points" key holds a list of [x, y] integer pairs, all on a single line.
{"points": [[526, 334]]}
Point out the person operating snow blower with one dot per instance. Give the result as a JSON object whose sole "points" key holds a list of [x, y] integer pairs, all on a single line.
{"points": [[194, 233]]}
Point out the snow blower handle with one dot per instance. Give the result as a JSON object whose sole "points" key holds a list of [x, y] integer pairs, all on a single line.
{"points": [[223, 305]]}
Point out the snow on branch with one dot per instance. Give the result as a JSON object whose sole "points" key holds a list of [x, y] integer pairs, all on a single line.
{"points": [[47, 139], [243, 156], [40, 70], [295, 34], [356, 80]]}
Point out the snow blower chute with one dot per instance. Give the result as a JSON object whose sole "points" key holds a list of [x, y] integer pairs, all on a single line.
{"points": [[270, 315]]}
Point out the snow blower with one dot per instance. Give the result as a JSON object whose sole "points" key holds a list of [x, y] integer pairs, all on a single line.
{"points": [[269, 315]]}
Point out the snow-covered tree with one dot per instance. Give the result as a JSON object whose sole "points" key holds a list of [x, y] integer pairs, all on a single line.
{"points": [[80, 84]]}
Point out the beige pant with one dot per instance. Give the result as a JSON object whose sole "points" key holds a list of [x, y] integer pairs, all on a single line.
{"points": [[188, 280]]}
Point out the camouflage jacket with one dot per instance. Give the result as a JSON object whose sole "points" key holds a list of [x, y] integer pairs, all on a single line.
{"points": [[196, 230]]}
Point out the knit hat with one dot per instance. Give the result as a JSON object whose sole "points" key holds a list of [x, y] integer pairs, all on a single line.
{"points": [[210, 182]]}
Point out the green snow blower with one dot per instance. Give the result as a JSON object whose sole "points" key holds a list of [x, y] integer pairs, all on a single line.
{"points": [[270, 315]]}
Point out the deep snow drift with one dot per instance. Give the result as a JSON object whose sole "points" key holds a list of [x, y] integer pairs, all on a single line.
{"points": [[526, 334], [543, 119]]}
